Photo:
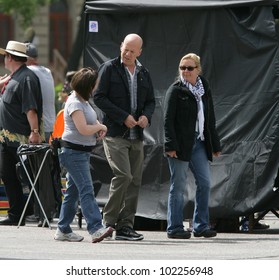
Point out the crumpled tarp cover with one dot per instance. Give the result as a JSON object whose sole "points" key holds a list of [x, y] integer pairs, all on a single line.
{"points": [[238, 45], [27, 149]]}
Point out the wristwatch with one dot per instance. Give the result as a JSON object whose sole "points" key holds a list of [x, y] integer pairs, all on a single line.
{"points": [[35, 130]]}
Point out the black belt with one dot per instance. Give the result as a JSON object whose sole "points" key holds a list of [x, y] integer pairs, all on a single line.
{"points": [[77, 147]]}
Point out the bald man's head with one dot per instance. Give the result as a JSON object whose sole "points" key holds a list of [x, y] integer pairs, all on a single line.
{"points": [[131, 48]]}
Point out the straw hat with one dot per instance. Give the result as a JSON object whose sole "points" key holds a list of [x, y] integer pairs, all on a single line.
{"points": [[15, 48]]}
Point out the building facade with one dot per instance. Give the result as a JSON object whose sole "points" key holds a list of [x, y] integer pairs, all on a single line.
{"points": [[53, 30]]}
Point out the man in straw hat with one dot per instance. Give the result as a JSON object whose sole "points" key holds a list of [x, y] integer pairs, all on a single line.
{"points": [[20, 120]]}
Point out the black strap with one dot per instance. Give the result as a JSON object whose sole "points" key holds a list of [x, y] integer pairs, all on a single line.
{"points": [[77, 147]]}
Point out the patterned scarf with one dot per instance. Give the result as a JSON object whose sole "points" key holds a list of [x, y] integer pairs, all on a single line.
{"points": [[198, 91]]}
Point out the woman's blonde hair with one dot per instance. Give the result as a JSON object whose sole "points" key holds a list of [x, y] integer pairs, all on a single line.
{"points": [[195, 58], [192, 56]]}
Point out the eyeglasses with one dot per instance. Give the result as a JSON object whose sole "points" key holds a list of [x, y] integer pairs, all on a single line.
{"points": [[189, 68]]}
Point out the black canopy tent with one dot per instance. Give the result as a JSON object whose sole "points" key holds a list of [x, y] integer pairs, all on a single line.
{"points": [[238, 45]]}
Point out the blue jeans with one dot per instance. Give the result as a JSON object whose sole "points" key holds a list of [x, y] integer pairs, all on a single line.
{"points": [[200, 168], [79, 188]]}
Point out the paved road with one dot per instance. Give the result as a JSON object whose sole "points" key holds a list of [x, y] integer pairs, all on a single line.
{"points": [[237, 255], [30, 242]]}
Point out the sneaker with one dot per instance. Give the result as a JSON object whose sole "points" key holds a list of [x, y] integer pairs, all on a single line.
{"points": [[244, 226], [101, 233], [71, 237], [127, 233], [110, 237], [43, 223], [206, 233], [260, 226], [180, 235], [31, 219]]}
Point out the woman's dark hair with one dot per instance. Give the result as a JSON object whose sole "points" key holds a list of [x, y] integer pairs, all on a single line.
{"points": [[83, 82]]}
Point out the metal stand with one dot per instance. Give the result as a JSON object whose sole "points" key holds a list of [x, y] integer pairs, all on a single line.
{"points": [[28, 150]]}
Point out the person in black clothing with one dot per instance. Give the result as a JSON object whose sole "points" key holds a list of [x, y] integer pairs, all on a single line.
{"points": [[191, 140], [125, 94], [20, 121]]}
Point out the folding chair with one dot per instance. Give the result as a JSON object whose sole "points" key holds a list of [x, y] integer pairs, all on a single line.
{"points": [[25, 151]]}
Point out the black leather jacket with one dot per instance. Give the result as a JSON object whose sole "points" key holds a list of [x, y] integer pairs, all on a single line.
{"points": [[180, 114], [112, 96]]}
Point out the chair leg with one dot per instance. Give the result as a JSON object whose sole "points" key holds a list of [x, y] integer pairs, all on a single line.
{"points": [[80, 220], [275, 212], [251, 222], [79, 217]]}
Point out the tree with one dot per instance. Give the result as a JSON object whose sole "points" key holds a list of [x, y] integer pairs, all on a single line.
{"points": [[26, 9]]}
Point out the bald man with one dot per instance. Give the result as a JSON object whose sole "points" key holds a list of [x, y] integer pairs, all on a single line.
{"points": [[125, 94]]}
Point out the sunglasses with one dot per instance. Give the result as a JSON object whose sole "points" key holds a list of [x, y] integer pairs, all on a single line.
{"points": [[189, 68]]}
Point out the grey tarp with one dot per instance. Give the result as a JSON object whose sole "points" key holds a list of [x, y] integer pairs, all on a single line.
{"points": [[238, 45]]}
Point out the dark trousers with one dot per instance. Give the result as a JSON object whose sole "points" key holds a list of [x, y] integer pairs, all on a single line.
{"points": [[13, 187]]}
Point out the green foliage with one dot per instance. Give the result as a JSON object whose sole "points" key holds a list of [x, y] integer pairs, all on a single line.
{"points": [[26, 8], [58, 88]]}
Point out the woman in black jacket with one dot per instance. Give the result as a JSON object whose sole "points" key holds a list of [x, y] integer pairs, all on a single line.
{"points": [[190, 141]]}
